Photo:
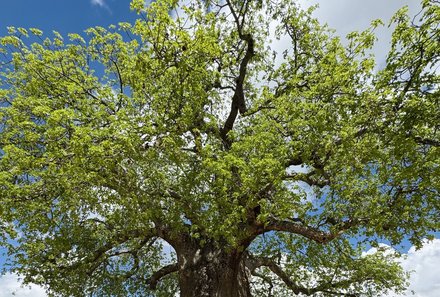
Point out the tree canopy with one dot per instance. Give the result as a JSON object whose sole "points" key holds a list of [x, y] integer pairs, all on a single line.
{"points": [[267, 172]]}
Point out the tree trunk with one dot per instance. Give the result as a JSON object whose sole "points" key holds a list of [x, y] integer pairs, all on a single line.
{"points": [[211, 272]]}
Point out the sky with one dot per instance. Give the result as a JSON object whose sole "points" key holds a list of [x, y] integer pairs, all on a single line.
{"points": [[74, 16]]}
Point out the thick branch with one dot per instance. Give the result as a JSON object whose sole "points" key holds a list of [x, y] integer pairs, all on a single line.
{"points": [[263, 261], [238, 103], [158, 275], [426, 141], [294, 161], [309, 232], [254, 263], [307, 178]]}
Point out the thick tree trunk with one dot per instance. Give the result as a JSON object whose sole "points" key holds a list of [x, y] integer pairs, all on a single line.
{"points": [[210, 272]]}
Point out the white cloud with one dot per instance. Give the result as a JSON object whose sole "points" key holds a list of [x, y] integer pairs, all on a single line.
{"points": [[11, 286], [384, 248], [346, 16], [425, 279], [100, 3], [424, 267]]}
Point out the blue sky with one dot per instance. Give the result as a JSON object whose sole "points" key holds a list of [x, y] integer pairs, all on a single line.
{"points": [[74, 16], [64, 16]]}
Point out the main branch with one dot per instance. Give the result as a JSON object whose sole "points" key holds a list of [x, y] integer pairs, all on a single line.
{"points": [[158, 275], [253, 263], [238, 103], [310, 232]]}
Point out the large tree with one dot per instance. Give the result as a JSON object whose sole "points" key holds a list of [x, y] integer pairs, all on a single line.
{"points": [[261, 169]]}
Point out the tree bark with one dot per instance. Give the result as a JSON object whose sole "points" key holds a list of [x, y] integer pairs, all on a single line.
{"points": [[211, 272]]}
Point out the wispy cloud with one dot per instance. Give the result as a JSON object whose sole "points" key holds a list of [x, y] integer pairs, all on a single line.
{"points": [[100, 3]]}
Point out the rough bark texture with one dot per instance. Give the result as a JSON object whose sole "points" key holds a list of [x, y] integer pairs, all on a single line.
{"points": [[211, 272]]}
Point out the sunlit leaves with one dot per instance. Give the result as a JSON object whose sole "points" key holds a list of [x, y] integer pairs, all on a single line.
{"points": [[108, 135]]}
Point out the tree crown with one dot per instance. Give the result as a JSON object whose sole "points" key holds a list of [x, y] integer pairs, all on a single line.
{"points": [[188, 126]]}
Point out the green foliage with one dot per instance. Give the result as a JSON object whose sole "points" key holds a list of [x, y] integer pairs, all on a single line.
{"points": [[96, 167]]}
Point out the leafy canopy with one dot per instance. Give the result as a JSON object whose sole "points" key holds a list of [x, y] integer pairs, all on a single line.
{"points": [[189, 122]]}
